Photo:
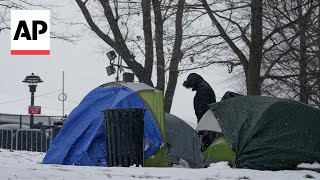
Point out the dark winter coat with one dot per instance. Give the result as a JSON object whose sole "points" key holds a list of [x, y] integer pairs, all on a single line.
{"points": [[204, 96]]}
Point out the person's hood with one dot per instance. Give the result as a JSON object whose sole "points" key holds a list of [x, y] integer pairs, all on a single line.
{"points": [[193, 81]]}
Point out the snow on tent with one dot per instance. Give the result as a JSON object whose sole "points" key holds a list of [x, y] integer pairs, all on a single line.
{"points": [[183, 142], [82, 139], [269, 133]]}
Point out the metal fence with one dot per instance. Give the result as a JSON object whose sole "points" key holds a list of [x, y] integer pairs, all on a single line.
{"points": [[32, 140], [21, 137], [25, 139], [25, 119], [6, 136]]}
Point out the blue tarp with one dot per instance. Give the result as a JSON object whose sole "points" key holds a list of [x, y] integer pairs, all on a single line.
{"points": [[82, 140]]}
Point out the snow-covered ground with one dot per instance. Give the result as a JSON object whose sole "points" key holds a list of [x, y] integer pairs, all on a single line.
{"points": [[27, 165]]}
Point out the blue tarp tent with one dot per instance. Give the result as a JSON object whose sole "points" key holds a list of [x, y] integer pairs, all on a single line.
{"points": [[82, 140]]}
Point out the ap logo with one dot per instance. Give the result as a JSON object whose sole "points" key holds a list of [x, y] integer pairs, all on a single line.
{"points": [[30, 32]]}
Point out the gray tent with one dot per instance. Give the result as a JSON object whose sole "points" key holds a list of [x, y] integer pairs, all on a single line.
{"points": [[183, 142]]}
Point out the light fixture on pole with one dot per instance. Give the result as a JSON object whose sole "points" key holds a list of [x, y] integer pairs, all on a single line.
{"points": [[111, 56], [32, 80], [127, 76]]}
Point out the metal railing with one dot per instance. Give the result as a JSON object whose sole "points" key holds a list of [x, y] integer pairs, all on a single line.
{"points": [[6, 138], [25, 119], [25, 139], [32, 140]]}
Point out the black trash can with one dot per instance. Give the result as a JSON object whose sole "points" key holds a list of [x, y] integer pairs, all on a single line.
{"points": [[125, 132]]}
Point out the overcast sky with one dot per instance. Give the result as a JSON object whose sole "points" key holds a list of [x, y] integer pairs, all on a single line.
{"points": [[84, 70]]}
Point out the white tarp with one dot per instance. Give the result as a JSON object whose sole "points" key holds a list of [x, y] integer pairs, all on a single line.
{"points": [[209, 122]]}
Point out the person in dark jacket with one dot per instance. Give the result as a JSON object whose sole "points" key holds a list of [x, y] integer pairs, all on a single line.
{"points": [[204, 96]]}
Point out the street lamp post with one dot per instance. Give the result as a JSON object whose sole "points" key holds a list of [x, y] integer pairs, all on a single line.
{"points": [[32, 80]]}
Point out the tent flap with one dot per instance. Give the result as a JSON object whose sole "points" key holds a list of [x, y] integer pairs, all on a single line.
{"points": [[208, 122]]}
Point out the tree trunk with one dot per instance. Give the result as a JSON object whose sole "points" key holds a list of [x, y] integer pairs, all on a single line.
{"points": [[175, 59], [243, 59], [253, 80], [147, 30], [318, 55], [303, 81], [121, 47], [159, 45]]}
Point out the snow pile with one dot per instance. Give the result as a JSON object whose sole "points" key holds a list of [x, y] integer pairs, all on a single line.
{"points": [[27, 165], [314, 165], [182, 164]]}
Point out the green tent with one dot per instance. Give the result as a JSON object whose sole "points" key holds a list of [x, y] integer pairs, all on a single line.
{"points": [[269, 133], [154, 99]]}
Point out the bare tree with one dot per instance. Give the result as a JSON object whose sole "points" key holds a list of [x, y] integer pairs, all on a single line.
{"points": [[258, 42], [163, 35], [298, 73]]}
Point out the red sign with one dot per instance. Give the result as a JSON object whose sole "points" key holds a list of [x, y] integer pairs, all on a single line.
{"points": [[34, 109]]}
